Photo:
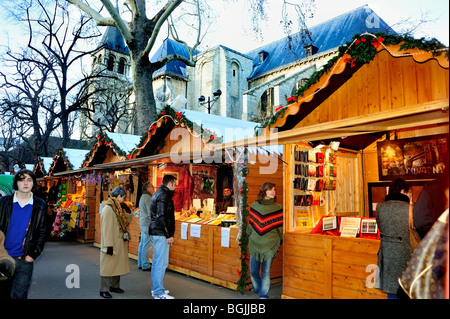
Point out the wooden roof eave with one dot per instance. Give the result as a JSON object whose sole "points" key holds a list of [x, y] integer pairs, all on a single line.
{"points": [[419, 115], [337, 76], [155, 159], [150, 135], [75, 171]]}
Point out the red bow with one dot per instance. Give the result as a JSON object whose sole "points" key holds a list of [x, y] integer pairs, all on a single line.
{"points": [[351, 62], [377, 43], [291, 99]]}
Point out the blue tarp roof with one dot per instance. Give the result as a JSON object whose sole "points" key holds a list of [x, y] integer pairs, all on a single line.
{"points": [[327, 35], [174, 67], [114, 40]]}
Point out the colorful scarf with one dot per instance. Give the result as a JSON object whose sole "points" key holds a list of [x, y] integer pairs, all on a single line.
{"points": [[263, 224], [120, 213]]}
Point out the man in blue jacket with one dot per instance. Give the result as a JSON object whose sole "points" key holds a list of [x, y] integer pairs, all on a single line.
{"points": [[161, 230], [22, 220]]}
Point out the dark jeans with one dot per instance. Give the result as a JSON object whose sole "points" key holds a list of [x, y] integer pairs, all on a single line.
{"points": [[21, 281]]}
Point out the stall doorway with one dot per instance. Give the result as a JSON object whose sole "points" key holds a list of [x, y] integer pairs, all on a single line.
{"points": [[224, 178]]}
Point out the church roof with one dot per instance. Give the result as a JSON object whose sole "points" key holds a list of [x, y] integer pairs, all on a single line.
{"points": [[325, 36], [113, 40], [174, 67]]}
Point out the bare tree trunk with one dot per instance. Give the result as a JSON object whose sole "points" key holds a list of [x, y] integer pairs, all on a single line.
{"points": [[145, 100]]}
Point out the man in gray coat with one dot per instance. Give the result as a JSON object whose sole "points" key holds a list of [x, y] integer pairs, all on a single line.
{"points": [[144, 223]]}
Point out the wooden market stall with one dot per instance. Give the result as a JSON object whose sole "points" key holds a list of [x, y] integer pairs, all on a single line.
{"points": [[109, 148], [81, 190], [398, 93], [70, 214], [174, 146]]}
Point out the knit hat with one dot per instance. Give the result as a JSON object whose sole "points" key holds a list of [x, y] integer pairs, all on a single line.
{"points": [[7, 263]]}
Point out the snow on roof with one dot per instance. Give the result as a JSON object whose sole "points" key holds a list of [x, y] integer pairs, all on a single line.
{"points": [[47, 161], [75, 157], [126, 142], [229, 129]]}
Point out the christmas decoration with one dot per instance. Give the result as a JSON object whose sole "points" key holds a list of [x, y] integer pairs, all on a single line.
{"points": [[362, 49]]}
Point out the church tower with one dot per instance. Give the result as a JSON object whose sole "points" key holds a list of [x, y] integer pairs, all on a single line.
{"points": [[110, 105]]}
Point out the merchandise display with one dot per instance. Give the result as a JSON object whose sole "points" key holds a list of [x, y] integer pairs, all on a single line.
{"points": [[71, 213], [206, 215], [314, 173], [356, 227]]}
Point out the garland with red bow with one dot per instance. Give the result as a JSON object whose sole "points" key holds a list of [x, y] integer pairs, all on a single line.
{"points": [[362, 49], [243, 241]]}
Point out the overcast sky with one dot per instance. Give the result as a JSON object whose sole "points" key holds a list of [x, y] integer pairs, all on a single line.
{"points": [[233, 28]]}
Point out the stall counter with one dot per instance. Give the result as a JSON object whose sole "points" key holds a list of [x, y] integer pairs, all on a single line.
{"points": [[205, 258], [326, 267]]}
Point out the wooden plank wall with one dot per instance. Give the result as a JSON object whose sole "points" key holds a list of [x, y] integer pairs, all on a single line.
{"points": [[327, 267], [256, 177], [348, 189]]}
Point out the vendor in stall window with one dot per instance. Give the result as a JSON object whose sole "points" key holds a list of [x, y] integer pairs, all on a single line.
{"points": [[228, 200]]}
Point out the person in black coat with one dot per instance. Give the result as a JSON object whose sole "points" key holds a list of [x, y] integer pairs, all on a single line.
{"points": [[23, 221], [161, 231], [395, 248]]}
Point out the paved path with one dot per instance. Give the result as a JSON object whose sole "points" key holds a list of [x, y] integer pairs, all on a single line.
{"points": [[60, 261]]}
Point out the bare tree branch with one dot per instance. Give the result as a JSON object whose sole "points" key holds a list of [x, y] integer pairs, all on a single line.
{"points": [[98, 18]]}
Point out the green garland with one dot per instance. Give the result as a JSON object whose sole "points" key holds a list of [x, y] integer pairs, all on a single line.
{"points": [[362, 49], [62, 154], [243, 241], [169, 112], [102, 138], [40, 162]]}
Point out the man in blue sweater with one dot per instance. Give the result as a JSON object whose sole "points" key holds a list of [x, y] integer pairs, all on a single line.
{"points": [[22, 220]]}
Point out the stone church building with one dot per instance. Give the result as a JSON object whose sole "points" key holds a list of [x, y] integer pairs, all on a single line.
{"points": [[252, 84]]}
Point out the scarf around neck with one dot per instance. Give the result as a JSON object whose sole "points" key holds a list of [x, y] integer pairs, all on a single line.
{"points": [[120, 213], [265, 216]]}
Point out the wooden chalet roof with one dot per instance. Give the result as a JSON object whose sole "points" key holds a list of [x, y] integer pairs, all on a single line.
{"points": [[397, 89], [110, 147], [188, 131], [41, 166], [67, 159]]}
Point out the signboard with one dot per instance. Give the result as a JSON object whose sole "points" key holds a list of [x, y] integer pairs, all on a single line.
{"points": [[6, 182], [413, 158]]}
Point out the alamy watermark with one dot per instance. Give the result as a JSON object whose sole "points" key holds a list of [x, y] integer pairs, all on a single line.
{"points": [[372, 20], [73, 279], [373, 276]]}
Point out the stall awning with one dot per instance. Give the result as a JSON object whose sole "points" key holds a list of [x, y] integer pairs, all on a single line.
{"points": [[75, 171], [419, 115]]}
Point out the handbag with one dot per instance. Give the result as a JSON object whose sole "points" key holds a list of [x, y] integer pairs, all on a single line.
{"points": [[414, 238], [7, 263], [424, 276]]}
